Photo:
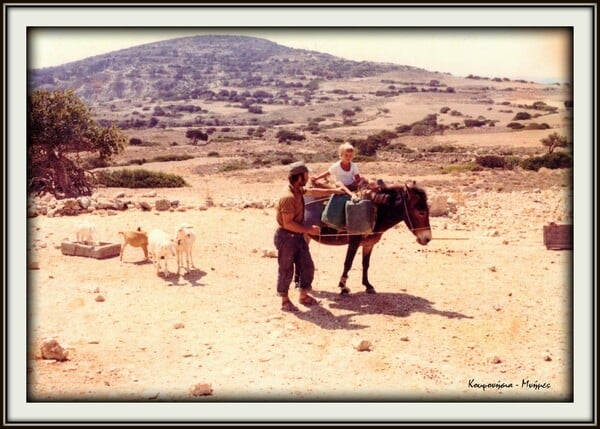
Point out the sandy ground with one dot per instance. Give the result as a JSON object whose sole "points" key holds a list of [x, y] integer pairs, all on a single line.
{"points": [[485, 302], [480, 314]]}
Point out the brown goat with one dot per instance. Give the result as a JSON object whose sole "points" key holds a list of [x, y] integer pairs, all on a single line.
{"points": [[136, 238]]}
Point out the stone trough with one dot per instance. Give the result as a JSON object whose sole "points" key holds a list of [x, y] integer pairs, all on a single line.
{"points": [[101, 250]]}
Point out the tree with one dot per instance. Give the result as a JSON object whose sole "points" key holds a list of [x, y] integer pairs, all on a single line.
{"points": [[61, 128], [553, 141], [195, 135]]}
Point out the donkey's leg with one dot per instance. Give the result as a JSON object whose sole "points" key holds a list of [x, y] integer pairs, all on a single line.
{"points": [[350, 254], [366, 261]]}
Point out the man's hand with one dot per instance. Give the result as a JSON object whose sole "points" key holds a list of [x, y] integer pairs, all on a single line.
{"points": [[315, 230]]}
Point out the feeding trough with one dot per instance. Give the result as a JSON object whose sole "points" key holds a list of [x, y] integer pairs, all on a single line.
{"points": [[101, 250], [558, 237]]}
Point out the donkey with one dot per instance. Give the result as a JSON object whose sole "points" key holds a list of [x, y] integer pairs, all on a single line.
{"points": [[394, 204]]}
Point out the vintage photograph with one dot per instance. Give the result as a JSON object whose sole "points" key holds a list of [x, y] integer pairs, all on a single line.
{"points": [[233, 215]]}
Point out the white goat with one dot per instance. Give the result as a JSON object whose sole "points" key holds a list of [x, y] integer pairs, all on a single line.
{"points": [[161, 246], [185, 237], [86, 233]]}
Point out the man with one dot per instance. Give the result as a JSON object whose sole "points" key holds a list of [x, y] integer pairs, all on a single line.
{"points": [[292, 248]]}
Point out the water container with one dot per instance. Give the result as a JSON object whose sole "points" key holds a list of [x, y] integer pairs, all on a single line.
{"points": [[313, 209], [334, 214], [360, 217]]}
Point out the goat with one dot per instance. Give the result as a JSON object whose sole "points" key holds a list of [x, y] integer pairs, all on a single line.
{"points": [[136, 238], [185, 238], [86, 233], [161, 246]]}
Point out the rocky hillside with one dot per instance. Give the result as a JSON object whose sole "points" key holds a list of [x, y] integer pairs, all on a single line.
{"points": [[198, 68]]}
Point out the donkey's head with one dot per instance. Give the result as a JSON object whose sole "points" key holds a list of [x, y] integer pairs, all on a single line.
{"points": [[416, 212]]}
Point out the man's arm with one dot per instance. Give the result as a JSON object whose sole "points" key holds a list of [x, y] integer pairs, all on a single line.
{"points": [[321, 192], [291, 225]]}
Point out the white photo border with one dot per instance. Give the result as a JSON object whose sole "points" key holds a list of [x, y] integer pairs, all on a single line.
{"points": [[17, 18]]}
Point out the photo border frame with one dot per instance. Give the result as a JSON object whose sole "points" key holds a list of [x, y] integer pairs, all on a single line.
{"points": [[583, 19]]}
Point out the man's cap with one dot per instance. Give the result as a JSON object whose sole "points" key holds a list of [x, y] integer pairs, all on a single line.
{"points": [[298, 167]]}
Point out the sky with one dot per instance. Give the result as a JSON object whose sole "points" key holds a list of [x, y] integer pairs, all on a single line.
{"points": [[537, 54]]}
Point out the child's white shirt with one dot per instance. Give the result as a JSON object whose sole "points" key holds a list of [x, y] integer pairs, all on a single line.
{"points": [[341, 175]]}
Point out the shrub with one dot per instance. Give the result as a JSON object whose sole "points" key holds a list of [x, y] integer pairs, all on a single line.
{"points": [[400, 129], [233, 166], [474, 123], [139, 179], [166, 158], [536, 126], [288, 136], [552, 161], [516, 126], [136, 161], [553, 141], [491, 161], [444, 148], [135, 141], [522, 116]]}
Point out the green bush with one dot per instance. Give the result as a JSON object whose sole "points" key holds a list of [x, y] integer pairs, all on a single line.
{"points": [[136, 161], [552, 161], [491, 161], [536, 126], [288, 136], [165, 158], [234, 166], [522, 116], [443, 148], [139, 178]]}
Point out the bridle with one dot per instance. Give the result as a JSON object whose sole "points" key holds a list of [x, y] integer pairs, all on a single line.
{"points": [[408, 220]]}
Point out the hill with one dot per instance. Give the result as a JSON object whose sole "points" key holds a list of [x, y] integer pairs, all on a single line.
{"points": [[194, 67]]}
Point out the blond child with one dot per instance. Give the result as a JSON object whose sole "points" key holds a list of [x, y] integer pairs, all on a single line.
{"points": [[345, 171]]}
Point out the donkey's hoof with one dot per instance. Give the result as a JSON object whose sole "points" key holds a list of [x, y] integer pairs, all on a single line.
{"points": [[345, 291], [370, 289]]}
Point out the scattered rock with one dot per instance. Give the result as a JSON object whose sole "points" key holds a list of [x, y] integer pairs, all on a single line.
{"points": [[269, 253], [438, 206], [162, 204], [201, 389], [33, 265], [100, 298], [178, 325], [546, 356], [362, 345], [494, 359], [51, 349]]}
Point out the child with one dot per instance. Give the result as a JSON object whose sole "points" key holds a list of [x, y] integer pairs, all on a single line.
{"points": [[345, 171]]}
